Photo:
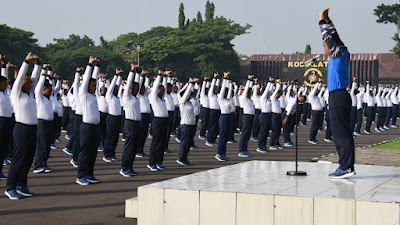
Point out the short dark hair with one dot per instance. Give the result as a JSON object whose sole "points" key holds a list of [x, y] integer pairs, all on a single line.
{"points": [[92, 80], [2, 79], [47, 84]]}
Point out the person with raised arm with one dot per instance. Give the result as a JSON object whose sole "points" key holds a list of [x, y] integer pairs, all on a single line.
{"points": [[256, 100], [215, 111], [132, 122], [205, 107], [57, 121], [103, 107], [89, 139], [276, 117], [25, 130], [395, 101], [248, 117], [113, 122], [360, 102], [45, 117], [5, 115], [265, 118], [145, 111], [159, 124], [339, 98], [77, 119], [316, 113], [370, 99], [188, 120], [224, 102], [167, 83], [196, 107]]}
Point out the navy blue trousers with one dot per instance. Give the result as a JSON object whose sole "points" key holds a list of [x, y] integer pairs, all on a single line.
{"points": [[265, 126], [158, 142], [113, 128], [11, 143], [247, 126], [57, 123], [65, 118], [71, 131], [328, 131], [44, 135], [359, 120], [287, 127], [170, 126], [237, 113], [5, 138], [24, 150], [176, 119], [205, 113], [276, 124], [388, 115], [381, 117], [103, 127], [144, 129], [87, 157], [76, 147], [224, 124], [353, 118], [395, 112], [340, 108], [132, 136], [306, 110], [316, 123], [256, 125], [240, 118], [231, 129], [370, 118], [213, 125], [71, 114], [186, 137]]}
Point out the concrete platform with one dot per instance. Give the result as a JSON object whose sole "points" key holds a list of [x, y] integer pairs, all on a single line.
{"points": [[260, 192]]}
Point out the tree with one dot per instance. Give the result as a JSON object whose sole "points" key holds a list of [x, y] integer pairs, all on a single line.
{"points": [[16, 43], [181, 19], [210, 9], [390, 14], [187, 23], [308, 49], [199, 17]]}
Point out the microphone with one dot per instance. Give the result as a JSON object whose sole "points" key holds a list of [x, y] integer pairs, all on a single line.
{"points": [[313, 59]]}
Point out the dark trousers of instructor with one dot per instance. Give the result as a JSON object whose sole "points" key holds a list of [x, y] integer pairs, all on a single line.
{"points": [[24, 150], [339, 112], [158, 142]]}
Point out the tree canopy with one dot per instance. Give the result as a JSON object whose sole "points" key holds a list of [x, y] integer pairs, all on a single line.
{"points": [[196, 47], [390, 14]]}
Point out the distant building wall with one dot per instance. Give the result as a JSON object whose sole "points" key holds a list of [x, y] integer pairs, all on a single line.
{"points": [[377, 68]]}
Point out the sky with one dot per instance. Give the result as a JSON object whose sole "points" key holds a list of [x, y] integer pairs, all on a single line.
{"points": [[277, 25]]}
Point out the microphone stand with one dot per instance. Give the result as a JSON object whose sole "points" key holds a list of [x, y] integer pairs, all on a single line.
{"points": [[297, 172]]}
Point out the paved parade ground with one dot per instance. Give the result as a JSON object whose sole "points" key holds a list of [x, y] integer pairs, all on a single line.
{"points": [[59, 200]]}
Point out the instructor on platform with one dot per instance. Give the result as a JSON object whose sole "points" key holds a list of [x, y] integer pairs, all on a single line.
{"points": [[339, 98]]}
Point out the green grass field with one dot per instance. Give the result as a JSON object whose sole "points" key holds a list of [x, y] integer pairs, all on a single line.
{"points": [[390, 145]]}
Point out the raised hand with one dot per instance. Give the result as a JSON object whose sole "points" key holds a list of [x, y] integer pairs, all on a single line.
{"points": [[56, 76], [118, 72], [324, 15], [227, 74], [355, 79], [216, 75], [250, 77], [3, 59], [92, 59]]}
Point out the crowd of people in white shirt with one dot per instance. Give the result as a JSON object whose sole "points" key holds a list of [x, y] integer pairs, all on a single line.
{"points": [[95, 111]]}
